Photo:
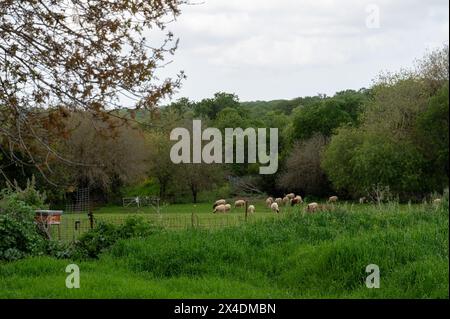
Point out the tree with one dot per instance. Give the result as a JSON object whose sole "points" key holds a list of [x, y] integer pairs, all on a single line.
{"points": [[181, 106], [199, 177], [210, 108], [402, 140], [105, 159], [327, 114], [161, 166], [433, 135], [303, 172], [58, 56]]}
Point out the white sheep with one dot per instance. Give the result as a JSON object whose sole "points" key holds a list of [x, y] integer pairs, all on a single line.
{"points": [[239, 203], [290, 195], [269, 201], [221, 208], [312, 207], [219, 202], [279, 201], [251, 209], [333, 199], [286, 200], [274, 207], [296, 200]]}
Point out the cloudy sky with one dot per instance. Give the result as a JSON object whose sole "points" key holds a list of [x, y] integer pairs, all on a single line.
{"points": [[274, 49]]}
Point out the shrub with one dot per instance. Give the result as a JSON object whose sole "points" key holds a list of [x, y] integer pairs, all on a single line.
{"points": [[29, 195], [19, 236], [92, 243]]}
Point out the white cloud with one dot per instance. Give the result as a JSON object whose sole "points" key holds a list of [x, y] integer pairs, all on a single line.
{"points": [[266, 49]]}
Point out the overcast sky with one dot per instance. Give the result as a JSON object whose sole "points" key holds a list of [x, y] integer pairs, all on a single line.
{"points": [[282, 49]]}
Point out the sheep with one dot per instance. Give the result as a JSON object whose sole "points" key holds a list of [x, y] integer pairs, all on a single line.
{"points": [[251, 209], [274, 207], [279, 201], [333, 199], [239, 203], [290, 195], [296, 200], [221, 208], [286, 200], [437, 201], [227, 207], [219, 202], [269, 201], [312, 207], [362, 200]]}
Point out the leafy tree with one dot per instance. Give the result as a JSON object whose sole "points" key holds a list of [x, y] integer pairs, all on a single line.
{"points": [[210, 108], [161, 166], [181, 106], [199, 177], [326, 115], [402, 140], [433, 134], [232, 118]]}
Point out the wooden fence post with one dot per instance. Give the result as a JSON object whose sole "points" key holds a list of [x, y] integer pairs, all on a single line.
{"points": [[91, 219], [246, 210]]}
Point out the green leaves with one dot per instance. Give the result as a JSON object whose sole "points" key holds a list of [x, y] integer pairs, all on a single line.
{"points": [[18, 233], [327, 114]]}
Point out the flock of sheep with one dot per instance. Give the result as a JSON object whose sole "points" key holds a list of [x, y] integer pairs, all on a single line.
{"points": [[221, 205]]}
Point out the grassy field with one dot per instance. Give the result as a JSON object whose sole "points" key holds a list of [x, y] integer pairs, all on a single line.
{"points": [[321, 255], [173, 217]]}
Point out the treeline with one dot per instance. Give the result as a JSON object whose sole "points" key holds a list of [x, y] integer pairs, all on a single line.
{"points": [[389, 139]]}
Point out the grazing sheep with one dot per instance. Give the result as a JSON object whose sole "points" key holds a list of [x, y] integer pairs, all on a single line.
{"points": [[219, 202], [274, 207], [290, 195], [312, 207], [221, 208], [437, 201], [296, 200], [239, 203], [333, 199], [251, 209], [279, 201], [269, 201], [362, 200], [227, 207], [285, 200]]}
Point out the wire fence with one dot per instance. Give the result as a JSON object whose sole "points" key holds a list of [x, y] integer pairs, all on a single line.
{"points": [[73, 225]]}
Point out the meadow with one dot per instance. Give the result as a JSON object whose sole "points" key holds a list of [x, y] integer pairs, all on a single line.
{"points": [[296, 255], [173, 217]]}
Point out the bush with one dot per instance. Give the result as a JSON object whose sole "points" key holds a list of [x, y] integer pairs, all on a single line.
{"points": [[19, 235], [29, 195], [92, 243]]}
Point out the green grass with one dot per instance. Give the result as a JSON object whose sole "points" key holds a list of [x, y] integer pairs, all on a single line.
{"points": [[173, 217], [321, 255]]}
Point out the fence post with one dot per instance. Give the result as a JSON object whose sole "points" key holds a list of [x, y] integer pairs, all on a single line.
{"points": [[91, 219], [246, 209]]}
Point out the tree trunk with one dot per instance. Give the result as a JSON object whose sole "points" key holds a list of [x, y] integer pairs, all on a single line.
{"points": [[194, 194]]}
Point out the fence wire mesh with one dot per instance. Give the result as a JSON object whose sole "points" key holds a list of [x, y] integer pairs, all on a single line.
{"points": [[73, 225]]}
